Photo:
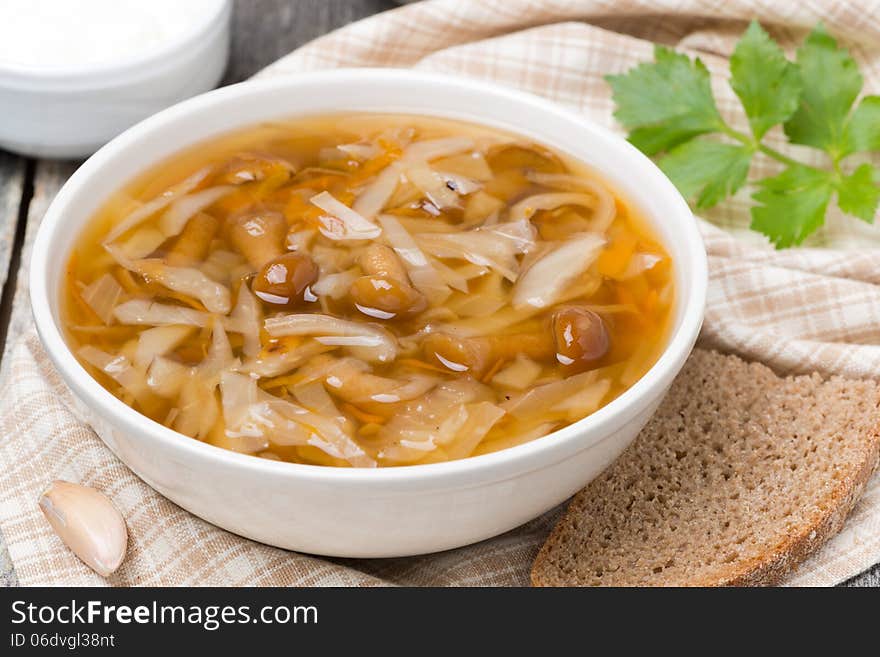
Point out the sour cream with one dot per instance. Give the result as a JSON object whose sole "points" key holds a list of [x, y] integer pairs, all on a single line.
{"points": [[65, 35], [76, 73]]}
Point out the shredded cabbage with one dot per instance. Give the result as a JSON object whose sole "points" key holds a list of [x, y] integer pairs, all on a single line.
{"points": [[189, 281], [544, 282], [175, 218], [422, 273], [433, 185], [167, 377], [102, 295], [150, 208], [335, 285], [604, 209], [371, 201], [118, 368], [153, 313], [248, 315], [158, 341], [532, 204], [369, 341], [495, 247], [341, 222]]}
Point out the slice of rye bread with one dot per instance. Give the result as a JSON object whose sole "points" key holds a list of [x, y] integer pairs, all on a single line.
{"points": [[737, 479]]}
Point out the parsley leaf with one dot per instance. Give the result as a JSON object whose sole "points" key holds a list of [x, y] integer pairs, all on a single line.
{"points": [[793, 204], [669, 110], [665, 103], [768, 85], [707, 170], [862, 132], [832, 83], [858, 195]]}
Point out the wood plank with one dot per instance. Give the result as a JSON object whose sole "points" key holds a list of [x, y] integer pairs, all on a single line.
{"points": [[49, 176], [266, 30], [12, 179]]}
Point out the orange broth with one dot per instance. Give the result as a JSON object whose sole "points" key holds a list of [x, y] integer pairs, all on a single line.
{"points": [[367, 290]]}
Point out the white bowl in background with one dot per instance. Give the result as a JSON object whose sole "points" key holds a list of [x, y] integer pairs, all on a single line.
{"points": [[71, 112], [386, 511]]}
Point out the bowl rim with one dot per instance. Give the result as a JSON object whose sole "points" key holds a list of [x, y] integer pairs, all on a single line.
{"points": [[123, 71], [501, 464]]}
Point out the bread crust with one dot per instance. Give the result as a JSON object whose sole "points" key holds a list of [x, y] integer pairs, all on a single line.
{"points": [[773, 568], [769, 567]]}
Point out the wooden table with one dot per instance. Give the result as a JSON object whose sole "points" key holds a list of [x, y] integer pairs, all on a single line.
{"points": [[263, 31]]}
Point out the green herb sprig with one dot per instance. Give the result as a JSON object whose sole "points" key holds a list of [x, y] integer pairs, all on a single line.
{"points": [[669, 110]]}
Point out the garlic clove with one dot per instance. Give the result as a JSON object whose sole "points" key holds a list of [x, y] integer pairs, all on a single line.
{"points": [[88, 523]]}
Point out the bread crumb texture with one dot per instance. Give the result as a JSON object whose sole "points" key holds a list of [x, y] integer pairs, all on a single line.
{"points": [[739, 476]]}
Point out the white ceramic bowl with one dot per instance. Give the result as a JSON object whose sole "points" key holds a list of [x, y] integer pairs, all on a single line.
{"points": [[387, 511], [72, 113]]}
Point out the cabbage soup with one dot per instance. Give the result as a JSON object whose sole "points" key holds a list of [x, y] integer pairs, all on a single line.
{"points": [[367, 290]]}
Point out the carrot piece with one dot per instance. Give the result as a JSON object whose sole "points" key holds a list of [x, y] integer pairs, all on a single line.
{"points": [[639, 288], [613, 260], [279, 381], [493, 370], [232, 203], [127, 281], [651, 301], [270, 183], [192, 303], [624, 296], [374, 166], [363, 416], [299, 210], [318, 182], [369, 429]]}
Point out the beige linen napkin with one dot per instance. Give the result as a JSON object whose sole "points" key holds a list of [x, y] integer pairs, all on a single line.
{"points": [[797, 310]]}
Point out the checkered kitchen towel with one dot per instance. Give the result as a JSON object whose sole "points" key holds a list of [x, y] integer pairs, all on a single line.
{"points": [[800, 310]]}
